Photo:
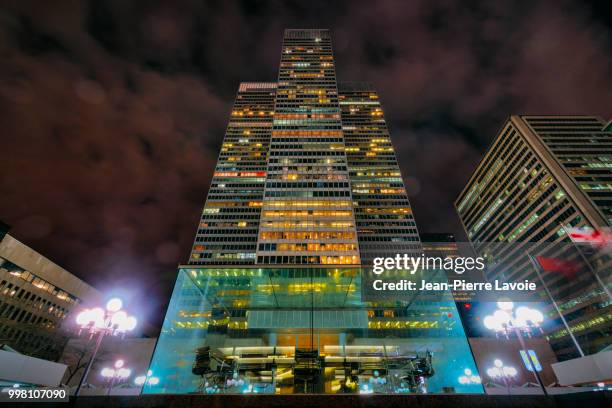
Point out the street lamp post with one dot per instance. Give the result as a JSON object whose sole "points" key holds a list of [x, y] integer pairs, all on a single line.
{"points": [[522, 320], [100, 322], [113, 374], [499, 370]]}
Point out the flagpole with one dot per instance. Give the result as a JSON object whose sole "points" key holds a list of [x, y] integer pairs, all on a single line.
{"points": [[585, 260], [536, 266]]}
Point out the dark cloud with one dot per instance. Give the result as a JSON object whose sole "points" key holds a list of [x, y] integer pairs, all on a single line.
{"points": [[112, 112]]}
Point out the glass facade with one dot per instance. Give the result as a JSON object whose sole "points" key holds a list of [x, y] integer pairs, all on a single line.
{"points": [[385, 224], [541, 175], [305, 330], [227, 233]]}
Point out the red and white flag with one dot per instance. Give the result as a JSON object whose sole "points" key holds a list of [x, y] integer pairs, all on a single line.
{"points": [[596, 237], [565, 267]]}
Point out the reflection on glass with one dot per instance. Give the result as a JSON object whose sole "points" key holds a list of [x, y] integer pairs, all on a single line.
{"points": [[305, 330]]}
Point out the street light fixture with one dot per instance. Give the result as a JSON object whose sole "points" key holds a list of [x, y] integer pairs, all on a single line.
{"points": [[101, 322], [148, 379], [499, 370], [468, 378], [119, 372], [520, 321]]}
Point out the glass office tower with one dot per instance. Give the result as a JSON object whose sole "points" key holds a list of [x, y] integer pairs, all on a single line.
{"points": [[540, 175], [307, 190]]}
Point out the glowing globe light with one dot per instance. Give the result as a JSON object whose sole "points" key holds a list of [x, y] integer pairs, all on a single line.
{"points": [[118, 318], [491, 323], [96, 316], [123, 372], [119, 363], [468, 378], [114, 305], [129, 324], [509, 371], [502, 317], [499, 370], [107, 372], [84, 318]]}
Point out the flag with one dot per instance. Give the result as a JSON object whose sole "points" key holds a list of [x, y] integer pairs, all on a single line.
{"points": [[566, 268], [596, 237]]}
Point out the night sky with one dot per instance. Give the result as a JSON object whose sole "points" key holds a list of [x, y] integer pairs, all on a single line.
{"points": [[112, 113]]}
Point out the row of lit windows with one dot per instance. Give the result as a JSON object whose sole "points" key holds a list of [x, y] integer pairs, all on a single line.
{"points": [[319, 184], [299, 116], [210, 203], [303, 235], [308, 247], [378, 210], [306, 133], [301, 147], [339, 160], [380, 191], [210, 247], [29, 298], [40, 283], [310, 176], [331, 203], [325, 260], [306, 224], [339, 168], [304, 194], [247, 112], [309, 213]]}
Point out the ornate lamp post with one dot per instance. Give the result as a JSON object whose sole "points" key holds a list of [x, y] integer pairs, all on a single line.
{"points": [[100, 322], [520, 321], [113, 374]]}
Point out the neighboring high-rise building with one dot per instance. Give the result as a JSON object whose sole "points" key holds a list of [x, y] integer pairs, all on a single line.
{"points": [[306, 192], [36, 297], [540, 175]]}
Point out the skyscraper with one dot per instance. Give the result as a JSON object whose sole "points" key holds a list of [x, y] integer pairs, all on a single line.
{"points": [[307, 173], [307, 190], [540, 175]]}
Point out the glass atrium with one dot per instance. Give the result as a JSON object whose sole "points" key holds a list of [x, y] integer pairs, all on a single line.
{"points": [[305, 330]]}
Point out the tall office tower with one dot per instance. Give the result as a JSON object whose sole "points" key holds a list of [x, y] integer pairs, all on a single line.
{"points": [[385, 224], [305, 176], [307, 215], [541, 174], [227, 233]]}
